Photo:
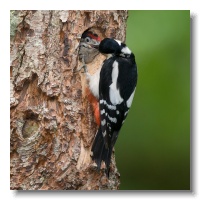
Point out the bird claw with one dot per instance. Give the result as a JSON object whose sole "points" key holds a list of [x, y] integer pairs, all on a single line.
{"points": [[84, 66]]}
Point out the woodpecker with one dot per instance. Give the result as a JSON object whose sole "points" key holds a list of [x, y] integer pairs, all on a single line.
{"points": [[113, 85], [88, 50]]}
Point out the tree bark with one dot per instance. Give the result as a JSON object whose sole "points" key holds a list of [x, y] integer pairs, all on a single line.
{"points": [[52, 123]]}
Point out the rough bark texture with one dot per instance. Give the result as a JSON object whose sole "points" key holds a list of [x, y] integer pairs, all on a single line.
{"points": [[52, 126]]}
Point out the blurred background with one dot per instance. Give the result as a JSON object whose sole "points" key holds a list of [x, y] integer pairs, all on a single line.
{"points": [[153, 149]]}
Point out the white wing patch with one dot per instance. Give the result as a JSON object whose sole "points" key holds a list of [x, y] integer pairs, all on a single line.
{"points": [[102, 111], [119, 42], [101, 101], [103, 122], [126, 50], [126, 113], [111, 107], [129, 101], [104, 133], [112, 119], [114, 94]]}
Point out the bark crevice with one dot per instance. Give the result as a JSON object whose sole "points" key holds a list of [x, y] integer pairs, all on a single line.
{"points": [[51, 120]]}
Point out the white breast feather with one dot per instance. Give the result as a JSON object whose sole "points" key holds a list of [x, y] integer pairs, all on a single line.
{"points": [[94, 83]]}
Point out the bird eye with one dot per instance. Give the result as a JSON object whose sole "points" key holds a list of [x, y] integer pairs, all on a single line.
{"points": [[87, 39]]}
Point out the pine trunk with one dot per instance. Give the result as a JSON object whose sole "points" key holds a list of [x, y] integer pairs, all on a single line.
{"points": [[52, 123]]}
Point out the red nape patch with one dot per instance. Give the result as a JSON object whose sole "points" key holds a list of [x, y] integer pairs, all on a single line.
{"points": [[95, 105]]}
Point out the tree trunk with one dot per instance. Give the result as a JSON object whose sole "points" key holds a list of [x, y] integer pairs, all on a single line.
{"points": [[52, 123]]}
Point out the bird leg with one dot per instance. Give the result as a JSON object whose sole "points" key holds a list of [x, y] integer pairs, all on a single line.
{"points": [[84, 66]]}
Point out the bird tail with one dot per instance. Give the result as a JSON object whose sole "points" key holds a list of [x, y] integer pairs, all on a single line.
{"points": [[101, 152]]}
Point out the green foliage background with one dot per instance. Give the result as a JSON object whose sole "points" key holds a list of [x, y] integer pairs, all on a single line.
{"points": [[153, 149]]}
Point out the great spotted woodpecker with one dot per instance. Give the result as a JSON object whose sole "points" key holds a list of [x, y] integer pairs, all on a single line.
{"points": [[87, 52], [113, 85]]}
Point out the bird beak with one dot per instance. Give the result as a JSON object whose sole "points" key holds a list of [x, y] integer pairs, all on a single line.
{"points": [[78, 37]]}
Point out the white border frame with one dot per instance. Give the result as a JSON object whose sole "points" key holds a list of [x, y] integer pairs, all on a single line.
{"points": [[8, 5]]}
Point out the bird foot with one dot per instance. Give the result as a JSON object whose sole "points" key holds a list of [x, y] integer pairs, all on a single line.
{"points": [[84, 66]]}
